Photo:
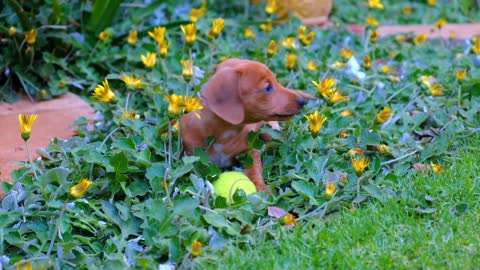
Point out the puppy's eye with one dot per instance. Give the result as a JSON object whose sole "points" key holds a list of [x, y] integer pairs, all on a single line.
{"points": [[268, 89]]}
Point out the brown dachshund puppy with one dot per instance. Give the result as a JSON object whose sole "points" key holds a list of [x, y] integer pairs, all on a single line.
{"points": [[240, 97]]}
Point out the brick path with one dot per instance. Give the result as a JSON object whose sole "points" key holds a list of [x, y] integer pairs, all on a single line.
{"points": [[54, 120]]}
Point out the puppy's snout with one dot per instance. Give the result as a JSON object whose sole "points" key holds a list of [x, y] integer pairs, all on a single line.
{"points": [[300, 102]]}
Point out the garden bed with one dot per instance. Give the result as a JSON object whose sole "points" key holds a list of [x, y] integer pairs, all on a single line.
{"points": [[122, 194]]}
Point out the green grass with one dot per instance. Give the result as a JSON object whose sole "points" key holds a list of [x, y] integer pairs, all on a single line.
{"points": [[385, 235]]}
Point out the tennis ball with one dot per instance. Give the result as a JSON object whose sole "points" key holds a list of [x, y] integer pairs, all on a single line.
{"points": [[228, 183]]}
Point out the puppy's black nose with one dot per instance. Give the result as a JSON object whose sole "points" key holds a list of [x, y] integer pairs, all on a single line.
{"points": [[301, 102]]}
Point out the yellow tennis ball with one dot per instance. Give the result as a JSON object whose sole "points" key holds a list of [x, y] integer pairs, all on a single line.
{"points": [[228, 183]]}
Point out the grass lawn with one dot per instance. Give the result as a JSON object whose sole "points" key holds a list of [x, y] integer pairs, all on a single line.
{"points": [[392, 234]]}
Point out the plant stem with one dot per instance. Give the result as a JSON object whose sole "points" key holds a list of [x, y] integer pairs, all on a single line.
{"points": [[106, 138], [57, 226], [397, 159], [170, 143], [30, 159]]}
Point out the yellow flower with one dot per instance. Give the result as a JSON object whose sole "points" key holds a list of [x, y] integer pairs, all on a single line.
{"points": [[44, 93], [330, 188], [12, 31], [302, 30], [355, 151], [288, 220], [216, 29], [440, 23], [394, 79], [196, 248], [307, 40], [431, 3], [79, 189], [384, 115], [291, 61], [103, 93], [343, 178], [383, 149], [400, 38], [163, 48], [371, 22], [158, 34], [359, 164], [31, 36], [187, 69], [437, 168], [24, 266], [375, 4], [386, 69], [461, 75], [452, 35], [266, 27], [315, 122], [61, 84], [149, 59], [366, 61], [272, 48], [190, 33], [346, 53], [335, 97], [420, 39], [428, 81], [193, 104], [476, 45], [175, 103], [346, 113], [131, 81], [289, 43], [129, 115], [342, 134], [338, 65], [271, 6], [324, 86], [311, 66], [436, 90], [374, 36], [132, 37], [407, 10], [196, 13], [26, 123], [104, 35], [249, 33]]}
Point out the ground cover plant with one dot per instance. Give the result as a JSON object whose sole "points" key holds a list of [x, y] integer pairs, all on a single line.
{"points": [[121, 193]]}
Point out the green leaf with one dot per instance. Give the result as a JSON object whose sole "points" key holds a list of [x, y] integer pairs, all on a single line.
{"points": [[374, 191], [6, 219], [119, 163], [186, 206], [306, 190], [254, 140], [216, 220], [369, 137], [56, 175], [124, 144], [190, 159], [156, 170], [102, 14]]}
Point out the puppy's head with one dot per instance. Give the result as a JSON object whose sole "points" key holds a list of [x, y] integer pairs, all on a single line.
{"points": [[245, 91]]}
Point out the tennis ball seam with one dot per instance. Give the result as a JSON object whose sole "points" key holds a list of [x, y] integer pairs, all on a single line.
{"points": [[230, 194]]}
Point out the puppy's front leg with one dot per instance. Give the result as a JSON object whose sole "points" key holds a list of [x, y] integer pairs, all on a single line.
{"points": [[255, 172]]}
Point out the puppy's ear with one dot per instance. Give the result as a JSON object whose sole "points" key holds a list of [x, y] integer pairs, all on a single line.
{"points": [[222, 96], [304, 95]]}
